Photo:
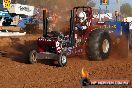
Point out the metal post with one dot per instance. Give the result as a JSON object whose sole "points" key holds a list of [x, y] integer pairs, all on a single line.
{"points": [[99, 14], [117, 1]]}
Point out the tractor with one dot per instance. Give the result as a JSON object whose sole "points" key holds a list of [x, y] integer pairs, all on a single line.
{"points": [[84, 38]]}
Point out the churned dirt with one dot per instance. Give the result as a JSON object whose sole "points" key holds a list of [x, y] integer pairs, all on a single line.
{"points": [[16, 73]]}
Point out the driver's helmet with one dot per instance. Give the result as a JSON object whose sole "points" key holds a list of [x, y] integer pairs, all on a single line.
{"points": [[82, 16]]}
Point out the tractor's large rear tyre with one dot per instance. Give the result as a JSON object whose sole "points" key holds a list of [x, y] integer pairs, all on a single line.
{"points": [[99, 45], [33, 57], [62, 61]]}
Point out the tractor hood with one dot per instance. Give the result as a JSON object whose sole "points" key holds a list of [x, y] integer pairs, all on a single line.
{"points": [[46, 41]]}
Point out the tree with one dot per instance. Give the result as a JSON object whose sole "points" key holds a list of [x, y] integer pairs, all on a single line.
{"points": [[1, 1], [126, 9], [91, 3]]}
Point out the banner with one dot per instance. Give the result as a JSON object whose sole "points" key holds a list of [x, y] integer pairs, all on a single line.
{"points": [[22, 9]]}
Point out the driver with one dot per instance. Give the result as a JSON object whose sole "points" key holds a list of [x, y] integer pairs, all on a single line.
{"points": [[83, 23]]}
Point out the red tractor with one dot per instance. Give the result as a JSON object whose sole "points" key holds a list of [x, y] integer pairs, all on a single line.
{"points": [[83, 39]]}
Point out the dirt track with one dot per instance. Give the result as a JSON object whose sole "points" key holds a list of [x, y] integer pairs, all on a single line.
{"points": [[15, 73]]}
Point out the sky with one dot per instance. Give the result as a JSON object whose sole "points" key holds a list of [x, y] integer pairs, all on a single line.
{"points": [[113, 6]]}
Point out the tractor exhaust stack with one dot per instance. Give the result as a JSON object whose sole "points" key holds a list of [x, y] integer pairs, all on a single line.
{"points": [[72, 30], [44, 24]]}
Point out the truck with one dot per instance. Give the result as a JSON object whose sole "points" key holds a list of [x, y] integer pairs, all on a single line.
{"points": [[16, 12], [92, 40]]}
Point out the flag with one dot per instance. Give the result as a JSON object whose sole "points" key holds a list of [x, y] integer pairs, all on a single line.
{"points": [[6, 3]]}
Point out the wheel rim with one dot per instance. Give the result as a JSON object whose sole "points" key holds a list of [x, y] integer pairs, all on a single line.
{"points": [[105, 46], [63, 59], [33, 57]]}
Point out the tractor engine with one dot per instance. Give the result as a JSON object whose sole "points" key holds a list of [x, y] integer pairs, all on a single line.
{"points": [[53, 43], [49, 45]]}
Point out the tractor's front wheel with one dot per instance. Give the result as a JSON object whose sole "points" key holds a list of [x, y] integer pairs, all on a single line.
{"points": [[33, 57], [62, 61], [99, 45]]}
